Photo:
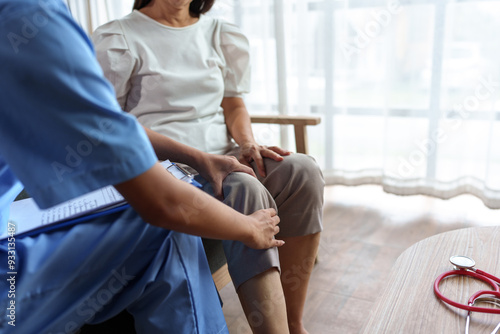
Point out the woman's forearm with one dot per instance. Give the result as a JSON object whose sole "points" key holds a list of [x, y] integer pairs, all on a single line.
{"points": [[238, 120], [167, 148]]}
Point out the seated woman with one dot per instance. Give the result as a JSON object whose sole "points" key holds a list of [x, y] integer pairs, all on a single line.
{"points": [[183, 75]]}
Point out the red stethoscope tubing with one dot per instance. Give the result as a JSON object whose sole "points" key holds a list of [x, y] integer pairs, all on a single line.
{"points": [[479, 274]]}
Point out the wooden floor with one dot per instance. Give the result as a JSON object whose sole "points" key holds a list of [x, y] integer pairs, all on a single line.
{"points": [[365, 230]]}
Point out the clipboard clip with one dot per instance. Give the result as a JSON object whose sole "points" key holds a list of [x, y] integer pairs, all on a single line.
{"points": [[187, 175]]}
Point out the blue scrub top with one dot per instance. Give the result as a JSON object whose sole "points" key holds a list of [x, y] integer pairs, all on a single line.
{"points": [[62, 132]]}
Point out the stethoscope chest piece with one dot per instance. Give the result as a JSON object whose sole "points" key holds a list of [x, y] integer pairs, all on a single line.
{"points": [[462, 262]]}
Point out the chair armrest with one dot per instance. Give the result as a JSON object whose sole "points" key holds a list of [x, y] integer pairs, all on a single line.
{"points": [[299, 124], [285, 119]]}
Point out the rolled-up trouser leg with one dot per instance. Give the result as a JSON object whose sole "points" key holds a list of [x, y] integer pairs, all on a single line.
{"points": [[246, 194]]}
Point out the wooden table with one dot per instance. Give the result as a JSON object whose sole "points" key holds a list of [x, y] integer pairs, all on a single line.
{"points": [[408, 303]]}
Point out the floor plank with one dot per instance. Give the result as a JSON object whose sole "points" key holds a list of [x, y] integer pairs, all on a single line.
{"points": [[365, 230]]}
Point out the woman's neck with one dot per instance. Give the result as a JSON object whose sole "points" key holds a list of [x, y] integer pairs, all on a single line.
{"points": [[168, 15]]}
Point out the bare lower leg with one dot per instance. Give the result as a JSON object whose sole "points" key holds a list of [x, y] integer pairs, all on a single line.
{"points": [[297, 258], [264, 304]]}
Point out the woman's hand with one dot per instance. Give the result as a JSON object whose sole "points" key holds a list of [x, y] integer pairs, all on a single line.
{"points": [[265, 226], [215, 168], [254, 152]]}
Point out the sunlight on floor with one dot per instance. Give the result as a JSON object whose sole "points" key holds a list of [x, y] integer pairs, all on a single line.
{"points": [[464, 207]]}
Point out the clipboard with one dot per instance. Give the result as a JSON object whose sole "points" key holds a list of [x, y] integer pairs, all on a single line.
{"points": [[180, 173], [29, 220]]}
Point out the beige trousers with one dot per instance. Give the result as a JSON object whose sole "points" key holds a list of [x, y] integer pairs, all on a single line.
{"points": [[294, 187]]}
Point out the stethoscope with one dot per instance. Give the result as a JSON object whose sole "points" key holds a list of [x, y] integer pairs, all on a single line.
{"points": [[464, 265]]}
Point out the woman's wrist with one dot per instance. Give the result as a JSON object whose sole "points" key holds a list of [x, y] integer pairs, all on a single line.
{"points": [[248, 142]]}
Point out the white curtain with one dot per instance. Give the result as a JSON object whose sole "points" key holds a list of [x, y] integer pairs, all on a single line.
{"points": [[93, 13], [408, 91]]}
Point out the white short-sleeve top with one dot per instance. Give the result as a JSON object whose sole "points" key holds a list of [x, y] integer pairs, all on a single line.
{"points": [[173, 79]]}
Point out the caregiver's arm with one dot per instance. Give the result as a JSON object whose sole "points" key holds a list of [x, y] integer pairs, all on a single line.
{"points": [[164, 201]]}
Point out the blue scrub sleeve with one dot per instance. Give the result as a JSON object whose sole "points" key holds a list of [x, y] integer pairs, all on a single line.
{"points": [[63, 132]]}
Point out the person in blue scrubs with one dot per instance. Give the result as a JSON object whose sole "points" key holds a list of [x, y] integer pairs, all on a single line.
{"points": [[63, 135]]}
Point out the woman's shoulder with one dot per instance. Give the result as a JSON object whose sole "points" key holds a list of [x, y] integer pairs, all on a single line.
{"points": [[229, 32], [110, 35], [118, 26], [117, 32], [110, 28], [223, 24]]}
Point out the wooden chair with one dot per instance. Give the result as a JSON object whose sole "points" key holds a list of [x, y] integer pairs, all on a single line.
{"points": [[299, 125]]}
